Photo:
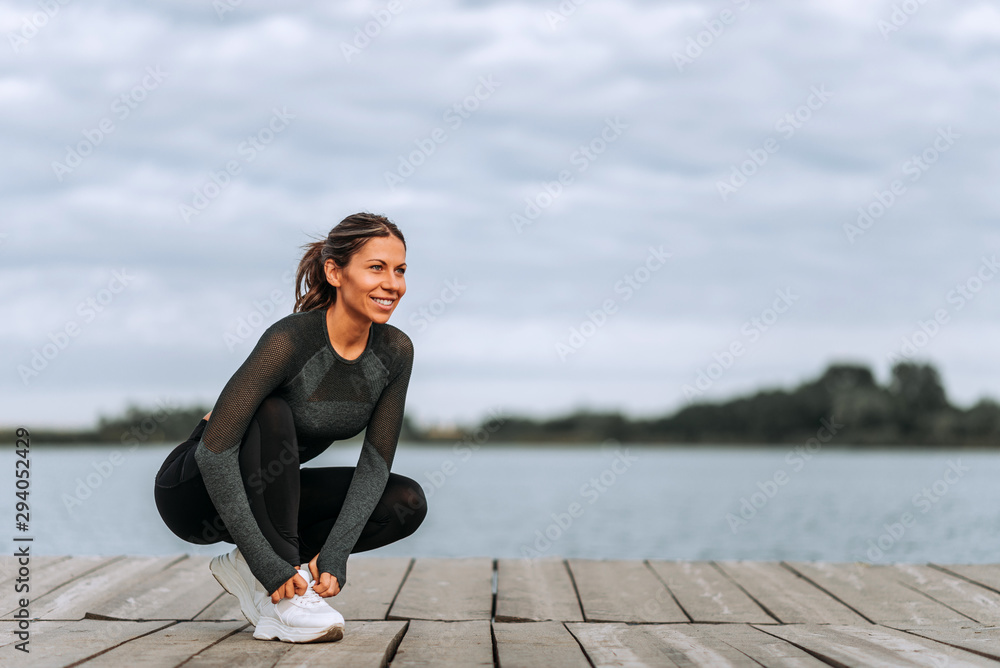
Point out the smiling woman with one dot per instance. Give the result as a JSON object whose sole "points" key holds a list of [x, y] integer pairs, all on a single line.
{"points": [[327, 371]]}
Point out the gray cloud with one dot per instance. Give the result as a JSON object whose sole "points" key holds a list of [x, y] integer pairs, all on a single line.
{"points": [[655, 184]]}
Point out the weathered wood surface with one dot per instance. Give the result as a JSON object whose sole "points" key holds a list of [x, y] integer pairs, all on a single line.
{"points": [[761, 647], [982, 640], [180, 591], [617, 644], [73, 599], [366, 645], [786, 595], [446, 589], [874, 593], [987, 575], [372, 585], [170, 611], [706, 594], [38, 565], [49, 574], [973, 601], [623, 590], [874, 647], [224, 608], [536, 590], [537, 644], [55, 644], [445, 644], [167, 647]]}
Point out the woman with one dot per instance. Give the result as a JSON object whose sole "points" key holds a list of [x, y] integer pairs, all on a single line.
{"points": [[330, 369]]}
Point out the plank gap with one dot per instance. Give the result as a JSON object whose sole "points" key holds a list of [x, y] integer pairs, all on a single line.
{"points": [[827, 592], [944, 569], [579, 643], [124, 642], [493, 631], [926, 595], [819, 657], [763, 607], [402, 581], [663, 582], [493, 608], [204, 649]]}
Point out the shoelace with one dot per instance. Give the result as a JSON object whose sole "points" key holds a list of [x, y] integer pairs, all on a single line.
{"points": [[310, 599]]}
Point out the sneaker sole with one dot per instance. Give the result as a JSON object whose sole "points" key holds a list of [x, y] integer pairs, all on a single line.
{"points": [[271, 629], [226, 575]]}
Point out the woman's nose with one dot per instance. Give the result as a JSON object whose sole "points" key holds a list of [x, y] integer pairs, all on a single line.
{"points": [[392, 283]]}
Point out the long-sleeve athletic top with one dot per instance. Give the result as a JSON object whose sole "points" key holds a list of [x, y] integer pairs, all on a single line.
{"points": [[331, 398]]}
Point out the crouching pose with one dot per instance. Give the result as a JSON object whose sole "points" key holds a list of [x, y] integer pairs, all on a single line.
{"points": [[323, 373]]}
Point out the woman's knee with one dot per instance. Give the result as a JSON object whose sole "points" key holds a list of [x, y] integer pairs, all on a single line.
{"points": [[408, 503]]}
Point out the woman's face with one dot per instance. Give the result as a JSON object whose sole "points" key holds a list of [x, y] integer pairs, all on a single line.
{"points": [[372, 283]]}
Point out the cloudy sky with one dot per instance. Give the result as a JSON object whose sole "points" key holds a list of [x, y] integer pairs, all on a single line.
{"points": [[600, 199]]}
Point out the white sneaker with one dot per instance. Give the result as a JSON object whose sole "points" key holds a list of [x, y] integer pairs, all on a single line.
{"points": [[233, 573], [305, 618]]}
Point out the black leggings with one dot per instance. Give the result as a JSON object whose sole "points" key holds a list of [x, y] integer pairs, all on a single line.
{"points": [[295, 507]]}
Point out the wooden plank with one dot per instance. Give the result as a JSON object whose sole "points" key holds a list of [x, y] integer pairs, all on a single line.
{"points": [[972, 600], [224, 608], [873, 593], [706, 594], [364, 645], [167, 647], [61, 643], [180, 592], [372, 584], [240, 649], [982, 640], [759, 646], [536, 590], [446, 590], [619, 645], [873, 646], [455, 644], [987, 575], [788, 596], [57, 573], [75, 598], [532, 644], [622, 591], [9, 568]]}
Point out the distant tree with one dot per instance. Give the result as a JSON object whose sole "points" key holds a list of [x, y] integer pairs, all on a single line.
{"points": [[981, 422], [917, 394]]}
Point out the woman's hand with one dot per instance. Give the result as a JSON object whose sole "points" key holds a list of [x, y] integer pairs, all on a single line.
{"points": [[295, 585], [324, 584]]}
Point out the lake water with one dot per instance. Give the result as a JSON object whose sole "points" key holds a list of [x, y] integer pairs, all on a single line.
{"points": [[639, 502]]}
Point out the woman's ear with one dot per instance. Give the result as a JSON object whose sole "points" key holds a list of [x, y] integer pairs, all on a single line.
{"points": [[332, 272]]}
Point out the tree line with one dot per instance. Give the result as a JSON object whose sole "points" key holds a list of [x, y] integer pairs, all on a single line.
{"points": [[911, 409]]}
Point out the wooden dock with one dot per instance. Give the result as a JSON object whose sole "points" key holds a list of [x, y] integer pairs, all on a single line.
{"points": [[549, 613]]}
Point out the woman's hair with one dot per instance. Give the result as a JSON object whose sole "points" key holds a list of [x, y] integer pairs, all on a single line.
{"points": [[312, 290]]}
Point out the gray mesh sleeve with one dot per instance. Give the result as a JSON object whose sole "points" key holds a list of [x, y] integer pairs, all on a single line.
{"points": [[217, 454], [221, 472], [372, 471]]}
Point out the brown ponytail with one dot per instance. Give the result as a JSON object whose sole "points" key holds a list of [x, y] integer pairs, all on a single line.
{"points": [[312, 290]]}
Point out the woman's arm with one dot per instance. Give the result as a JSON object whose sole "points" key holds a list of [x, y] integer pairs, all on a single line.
{"points": [[217, 454], [372, 471]]}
